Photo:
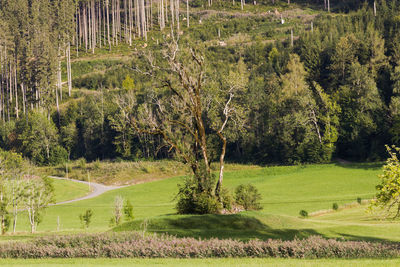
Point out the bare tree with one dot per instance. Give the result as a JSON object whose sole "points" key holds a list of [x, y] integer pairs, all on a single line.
{"points": [[38, 194], [185, 109], [118, 209]]}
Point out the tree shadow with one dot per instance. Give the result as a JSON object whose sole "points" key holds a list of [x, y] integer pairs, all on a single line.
{"points": [[234, 226], [361, 165], [364, 238]]}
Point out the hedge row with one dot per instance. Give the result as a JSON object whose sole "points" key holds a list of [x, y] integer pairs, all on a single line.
{"points": [[126, 245]]}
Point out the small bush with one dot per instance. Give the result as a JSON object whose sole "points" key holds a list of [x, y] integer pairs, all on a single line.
{"points": [[248, 197], [86, 218], [96, 164], [190, 201], [128, 211], [82, 163], [359, 200], [205, 204], [335, 206], [118, 209], [303, 213], [226, 199]]}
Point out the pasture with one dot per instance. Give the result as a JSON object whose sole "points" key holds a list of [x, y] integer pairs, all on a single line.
{"points": [[285, 190]]}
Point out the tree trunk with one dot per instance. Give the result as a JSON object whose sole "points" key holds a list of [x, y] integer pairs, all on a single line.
{"points": [[16, 91], [221, 164], [177, 15], [291, 38], [69, 74], [187, 13]]}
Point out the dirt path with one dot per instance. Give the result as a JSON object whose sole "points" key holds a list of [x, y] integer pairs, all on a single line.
{"points": [[97, 190]]}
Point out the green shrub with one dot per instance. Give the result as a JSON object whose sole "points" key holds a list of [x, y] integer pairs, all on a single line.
{"points": [[248, 197], [303, 213], [226, 198], [86, 218], [128, 210], [205, 204], [190, 201], [359, 200], [335, 206], [96, 164], [82, 163]]}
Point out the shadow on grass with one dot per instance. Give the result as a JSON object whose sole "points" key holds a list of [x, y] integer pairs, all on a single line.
{"points": [[365, 238], [363, 166], [234, 226]]}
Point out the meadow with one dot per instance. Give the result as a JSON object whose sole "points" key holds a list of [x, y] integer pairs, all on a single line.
{"points": [[67, 190], [285, 190]]}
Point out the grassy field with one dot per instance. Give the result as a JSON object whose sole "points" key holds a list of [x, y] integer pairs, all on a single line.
{"points": [[201, 262], [285, 190], [67, 190]]}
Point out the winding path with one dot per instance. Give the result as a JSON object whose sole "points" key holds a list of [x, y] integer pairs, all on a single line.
{"points": [[97, 190]]}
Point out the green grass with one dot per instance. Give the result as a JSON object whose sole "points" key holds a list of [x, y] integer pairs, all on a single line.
{"points": [[285, 190], [201, 262], [67, 190]]}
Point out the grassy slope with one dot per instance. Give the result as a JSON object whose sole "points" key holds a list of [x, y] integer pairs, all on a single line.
{"points": [[285, 190], [126, 172], [67, 190], [202, 262]]}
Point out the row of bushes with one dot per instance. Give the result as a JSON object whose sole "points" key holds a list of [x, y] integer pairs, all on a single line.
{"points": [[126, 245]]}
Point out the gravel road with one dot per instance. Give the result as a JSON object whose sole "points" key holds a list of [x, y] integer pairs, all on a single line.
{"points": [[96, 190]]}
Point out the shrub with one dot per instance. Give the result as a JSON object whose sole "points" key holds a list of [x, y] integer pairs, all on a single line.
{"points": [[303, 213], [248, 197], [118, 209], [128, 211], [205, 204], [82, 163], [6, 222], [191, 201], [226, 198], [335, 206], [359, 200], [86, 218], [96, 164], [134, 245]]}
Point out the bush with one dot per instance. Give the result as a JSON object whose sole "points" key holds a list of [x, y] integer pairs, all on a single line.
{"points": [[359, 200], [206, 204], [303, 213], [248, 197], [335, 206], [190, 201], [86, 218], [226, 199], [82, 163], [134, 245], [128, 211]]}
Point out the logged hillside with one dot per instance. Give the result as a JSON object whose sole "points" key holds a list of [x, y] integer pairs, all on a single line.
{"points": [[311, 82]]}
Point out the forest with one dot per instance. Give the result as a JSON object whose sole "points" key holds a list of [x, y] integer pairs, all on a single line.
{"points": [[327, 87]]}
